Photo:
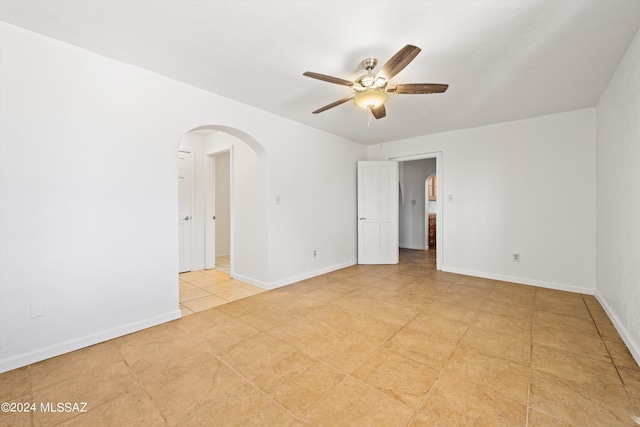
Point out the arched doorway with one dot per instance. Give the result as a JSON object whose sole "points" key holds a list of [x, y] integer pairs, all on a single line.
{"points": [[246, 201]]}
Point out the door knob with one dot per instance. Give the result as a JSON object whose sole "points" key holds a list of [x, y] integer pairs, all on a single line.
{"points": [[361, 218], [187, 218]]}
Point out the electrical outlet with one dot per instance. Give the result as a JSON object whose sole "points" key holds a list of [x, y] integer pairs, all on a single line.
{"points": [[516, 257], [36, 309]]}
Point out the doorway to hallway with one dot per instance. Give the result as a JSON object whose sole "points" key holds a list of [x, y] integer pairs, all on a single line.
{"points": [[420, 204], [204, 204], [245, 255]]}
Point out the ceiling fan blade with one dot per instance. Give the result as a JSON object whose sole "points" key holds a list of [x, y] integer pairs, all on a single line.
{"points": [[398, 61], [333, 104], [329, 79], [419, 88], [379, 112]]}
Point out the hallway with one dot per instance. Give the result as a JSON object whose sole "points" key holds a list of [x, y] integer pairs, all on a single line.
{"points": [[204, 289]]}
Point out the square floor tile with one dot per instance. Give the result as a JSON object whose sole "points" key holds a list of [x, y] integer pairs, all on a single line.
{"points": [[403, 379], [606, 405], [256, 354], [454, 401], [245, 406], [298, 381], [352, 403], [204, 303], [510, 379]]}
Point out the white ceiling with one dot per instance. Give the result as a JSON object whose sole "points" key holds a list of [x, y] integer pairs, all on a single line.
{"points": [[504, 60]]}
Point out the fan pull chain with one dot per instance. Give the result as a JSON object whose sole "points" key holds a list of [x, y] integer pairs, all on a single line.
{"points": [[369, 117]]}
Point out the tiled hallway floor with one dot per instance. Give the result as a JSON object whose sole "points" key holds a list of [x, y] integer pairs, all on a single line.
{"points": [[363, 346], [223, 263], [204, 289]]}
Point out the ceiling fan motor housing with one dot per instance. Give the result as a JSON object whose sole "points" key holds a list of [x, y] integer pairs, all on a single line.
{"points": [[369, 63]]}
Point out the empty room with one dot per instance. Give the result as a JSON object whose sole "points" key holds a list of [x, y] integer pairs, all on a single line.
{"points": [[386, 213]]}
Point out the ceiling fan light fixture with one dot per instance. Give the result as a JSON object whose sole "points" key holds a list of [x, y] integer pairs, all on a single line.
{"points": [[370, 91], [370, 98]]}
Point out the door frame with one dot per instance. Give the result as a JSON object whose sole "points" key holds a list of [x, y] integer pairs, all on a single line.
{"points": [[209, 208], [439, 194]]}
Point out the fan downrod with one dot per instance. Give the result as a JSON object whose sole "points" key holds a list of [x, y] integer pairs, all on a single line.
{"points": [[369, 63]]}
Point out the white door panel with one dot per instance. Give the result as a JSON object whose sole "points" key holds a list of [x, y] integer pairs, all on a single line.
{"points": [[185, 172], [210, 214], [377, 212]]}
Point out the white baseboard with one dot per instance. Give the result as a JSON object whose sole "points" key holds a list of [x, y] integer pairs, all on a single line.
{"points": [[417, 248], [27, 358], [632, 342], [290, 280], [521, 280], [250, 281], [315, 273], [198, 267], [24, 359]]}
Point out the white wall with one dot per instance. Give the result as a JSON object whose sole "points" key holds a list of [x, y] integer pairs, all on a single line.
{"points": [[251, 220], [315, 181], [618, 201], [88, 195], [412, 217], [526, 186], [223, 204]]}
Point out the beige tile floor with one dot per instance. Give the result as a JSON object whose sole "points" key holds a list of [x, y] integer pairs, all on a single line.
{"points": [[223, 263], [363, 346], [205, 289]]}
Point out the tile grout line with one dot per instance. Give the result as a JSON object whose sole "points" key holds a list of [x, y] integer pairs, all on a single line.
{"points": [[533, 321], [138, 382], [616, 367], [297, 350], [426, 396], [248, 381], [603, 342]]}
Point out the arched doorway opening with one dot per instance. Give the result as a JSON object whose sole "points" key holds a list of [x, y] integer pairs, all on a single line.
{"points": [[213, 224]]}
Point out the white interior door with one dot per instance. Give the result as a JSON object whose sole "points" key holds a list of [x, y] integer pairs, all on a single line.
{"points": [[210, 214], [378, 212], [185, 173]]}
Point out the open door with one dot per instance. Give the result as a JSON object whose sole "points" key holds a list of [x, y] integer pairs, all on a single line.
{"points": [[210, 214], [185, 169], [378, 212]]}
